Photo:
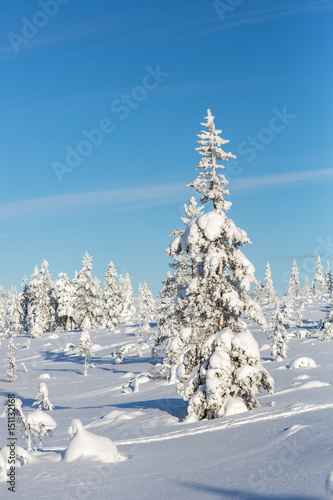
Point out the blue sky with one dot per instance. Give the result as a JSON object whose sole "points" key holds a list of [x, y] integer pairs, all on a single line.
{"points": [[143, 74]]}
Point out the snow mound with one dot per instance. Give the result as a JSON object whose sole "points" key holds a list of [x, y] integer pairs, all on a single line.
{"points": [[44, 376], [233, 406], [314, 384], [265, 347], [302, 363], [85, 445]]}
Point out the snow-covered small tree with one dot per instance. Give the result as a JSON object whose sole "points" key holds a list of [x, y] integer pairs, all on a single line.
{"points": [[268, 291], [110, 295], [42, 397], [14, 312], [87, 295], [11, 363], [293, 285], [219, 356], [279, 346], [64, 294], [319, 281], [85, 349], [146, 304], [126, 303]]}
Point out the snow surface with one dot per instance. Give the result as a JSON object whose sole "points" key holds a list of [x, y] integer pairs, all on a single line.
{"points": [[281, 451]]}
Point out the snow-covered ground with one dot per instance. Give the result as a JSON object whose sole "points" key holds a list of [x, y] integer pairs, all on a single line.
{"points": [[283, 450]]}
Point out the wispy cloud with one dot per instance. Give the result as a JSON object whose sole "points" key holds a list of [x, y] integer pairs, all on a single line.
{"points": [[136, 198], [276, 180], [242, 17]]}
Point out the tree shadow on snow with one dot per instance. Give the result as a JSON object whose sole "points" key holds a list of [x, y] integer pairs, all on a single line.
{"points": [[227, 494], [173, 406]]}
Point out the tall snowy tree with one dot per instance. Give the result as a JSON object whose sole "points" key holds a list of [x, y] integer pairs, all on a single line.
{"points": [[220, 357], [268, 291], [126, 303], [14, 312], [110, 294], [85, 349], [329, 279], [24, 297], [31, 293], [279, 346], [146, 304], [11, 364], [293, 285], [2, 313], [65, 295], [319, 281], [87, 296], [306, 292]]}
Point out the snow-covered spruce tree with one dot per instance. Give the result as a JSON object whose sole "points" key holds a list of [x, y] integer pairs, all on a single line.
{"points": [[87, 296], [329, 279], [45, 299], [293, 285], [32, 294], [125, 293], [24, 297], [219, 356], [11, 363], [268, 291], [319, 281], [279, 346], [14, 312], [64, 294], [146, 304], [110, 297], [42, 397], [306, 292], [328, 326], [85, 349], [2, 313]]}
